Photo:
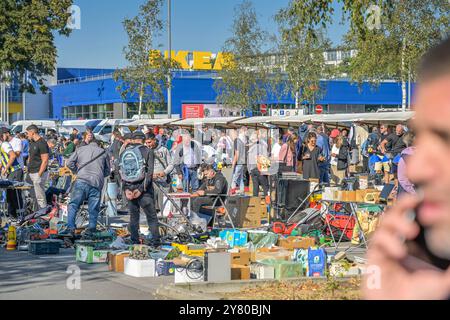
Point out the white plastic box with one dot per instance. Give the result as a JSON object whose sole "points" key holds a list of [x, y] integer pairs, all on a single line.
{"points": [[184, 276], [262, 271], [140, 268]]}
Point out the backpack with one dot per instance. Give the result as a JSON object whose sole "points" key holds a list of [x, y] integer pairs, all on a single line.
{"points": [[132, 165]]}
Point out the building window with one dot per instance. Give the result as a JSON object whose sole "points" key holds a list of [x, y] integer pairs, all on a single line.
{"points": [[100, 111], [346, 55], [331, 56]]}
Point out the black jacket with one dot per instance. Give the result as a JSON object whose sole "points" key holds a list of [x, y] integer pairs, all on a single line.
{"points": [[219, 183], [343, 157]]}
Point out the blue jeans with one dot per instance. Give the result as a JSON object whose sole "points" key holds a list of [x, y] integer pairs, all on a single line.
{"points": [[190, 179], [324, 173], [238, 177], [80, 193]]}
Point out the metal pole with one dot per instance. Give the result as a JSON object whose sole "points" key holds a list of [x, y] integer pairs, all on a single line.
{"points": [[169, 77], [7, 105], [1, 99], [24, 105]]}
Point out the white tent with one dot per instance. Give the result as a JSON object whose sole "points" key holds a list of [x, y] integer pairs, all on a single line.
{"points": [[202, 121], [149, 122], [262, 120]]}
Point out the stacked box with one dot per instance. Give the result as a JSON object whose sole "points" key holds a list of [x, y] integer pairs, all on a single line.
{"points": [[88, 254]]}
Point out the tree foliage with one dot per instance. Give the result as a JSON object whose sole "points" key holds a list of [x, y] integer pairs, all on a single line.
{"points": [[27, 31], [147, 70], [243, 81], [303, 54], [407, 30]]}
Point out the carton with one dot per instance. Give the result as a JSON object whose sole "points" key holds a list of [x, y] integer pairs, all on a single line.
{"points": [[239, 272], [116, 260], [296, 242], [240, 258]]}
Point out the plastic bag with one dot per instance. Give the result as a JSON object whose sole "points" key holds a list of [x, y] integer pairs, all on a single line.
{"points": [[119, 244], [262, 239], [197, 221]]}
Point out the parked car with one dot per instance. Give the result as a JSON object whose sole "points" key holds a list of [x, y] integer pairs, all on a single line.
{"points": [[103, 131], [43, 125]]}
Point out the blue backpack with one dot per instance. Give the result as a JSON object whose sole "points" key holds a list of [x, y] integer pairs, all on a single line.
{"points": [[132, 166]]}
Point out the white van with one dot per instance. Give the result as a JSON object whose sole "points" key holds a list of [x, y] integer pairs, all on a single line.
{"points": [[81, 125], [103, 131], [43, 125]]}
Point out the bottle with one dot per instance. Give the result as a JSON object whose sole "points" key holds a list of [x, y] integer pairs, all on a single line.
{"points": [[12, 239]]}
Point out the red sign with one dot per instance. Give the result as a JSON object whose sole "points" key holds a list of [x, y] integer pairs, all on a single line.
{"points": [[319, 109], [263, 109], [190, 111]]}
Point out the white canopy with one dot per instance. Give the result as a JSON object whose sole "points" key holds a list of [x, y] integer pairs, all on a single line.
{"points": [[255, 120], [201, 121], [373, 117], [149, 122], [292, 119]]}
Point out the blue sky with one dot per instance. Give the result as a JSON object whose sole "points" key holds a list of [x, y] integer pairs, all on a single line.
{"points": [[201, 25]]}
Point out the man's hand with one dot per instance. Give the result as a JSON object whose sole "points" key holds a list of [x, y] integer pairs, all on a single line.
{"points": [[387, 278], [201, 192], [4, 171]]}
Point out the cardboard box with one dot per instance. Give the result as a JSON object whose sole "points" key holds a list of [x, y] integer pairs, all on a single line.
{"points": [[88, 254], [116, 260], [239, 272], [274, 255], [350, 196], [140, 268], [240, 258], [296, 242]]}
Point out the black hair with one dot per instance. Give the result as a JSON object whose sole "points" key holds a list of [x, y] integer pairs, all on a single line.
{"points": [[150, 136], [33, 128], [436, 62]]}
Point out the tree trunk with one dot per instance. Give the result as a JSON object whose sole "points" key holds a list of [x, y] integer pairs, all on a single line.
{"points": [[403, 76], [141, 93]]}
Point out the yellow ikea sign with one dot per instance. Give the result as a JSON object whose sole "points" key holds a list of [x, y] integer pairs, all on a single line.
{"points": [[196, 60]]}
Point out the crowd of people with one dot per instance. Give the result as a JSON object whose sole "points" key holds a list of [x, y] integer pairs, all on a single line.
{"points": [[150, 162]]}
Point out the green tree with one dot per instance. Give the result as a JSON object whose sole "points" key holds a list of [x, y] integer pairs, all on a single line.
{"points": [[390, 35], [243, 80], [303, 54], [147, 70], [27, 32]]}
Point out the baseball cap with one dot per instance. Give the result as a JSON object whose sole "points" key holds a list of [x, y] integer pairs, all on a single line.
{"points": [[128, 136], [335, 133], [138, 135], [4, 130]]}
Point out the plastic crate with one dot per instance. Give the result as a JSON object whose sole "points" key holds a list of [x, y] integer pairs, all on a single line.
{"points": [[44, 247]]}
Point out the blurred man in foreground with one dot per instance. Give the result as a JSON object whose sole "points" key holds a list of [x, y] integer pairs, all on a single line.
{"points": [[393, 272]]}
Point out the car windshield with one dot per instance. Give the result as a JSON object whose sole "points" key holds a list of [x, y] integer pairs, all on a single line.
{"points": [[98, 128]]}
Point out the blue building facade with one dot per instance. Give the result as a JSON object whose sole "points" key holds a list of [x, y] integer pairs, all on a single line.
{"points": [[91, 93]]}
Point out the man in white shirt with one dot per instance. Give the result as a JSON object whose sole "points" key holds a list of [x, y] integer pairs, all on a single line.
{"points": [[11, 170], [15, 143]]}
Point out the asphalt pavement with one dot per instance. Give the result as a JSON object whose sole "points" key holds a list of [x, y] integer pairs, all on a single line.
{"points": [[28, 277]]}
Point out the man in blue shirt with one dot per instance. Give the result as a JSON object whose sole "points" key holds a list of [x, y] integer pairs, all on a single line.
{"points": [[25, 147]]}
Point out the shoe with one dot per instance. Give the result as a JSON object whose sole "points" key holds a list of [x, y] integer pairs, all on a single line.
{"points": [[66, 233], [89, 234]]}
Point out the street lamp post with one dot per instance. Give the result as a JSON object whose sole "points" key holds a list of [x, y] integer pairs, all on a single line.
{"points": [[169, 76]]}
